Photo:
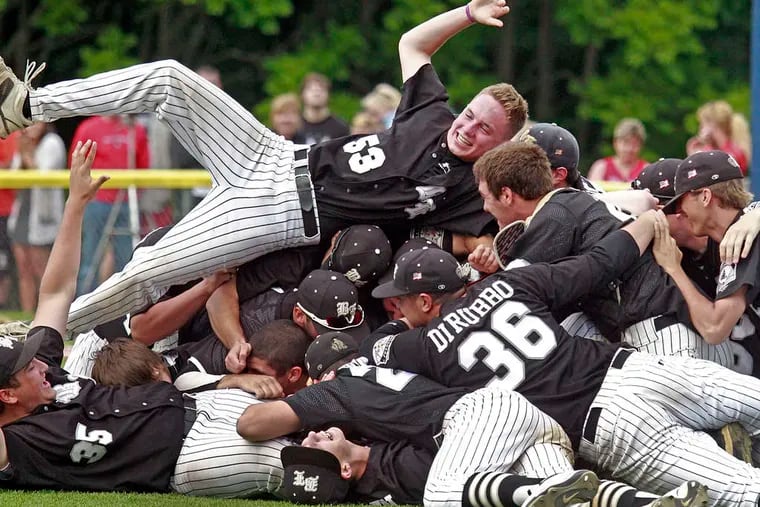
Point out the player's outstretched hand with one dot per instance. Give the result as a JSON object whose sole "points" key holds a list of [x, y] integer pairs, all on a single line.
{"points": [[488, 12], [263, 386], [739, 238], [81, 185], [483, 259], [666, 252], [236, 358]]}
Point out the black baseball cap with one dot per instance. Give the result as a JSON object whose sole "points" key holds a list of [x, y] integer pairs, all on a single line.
{"points": [[658, 178], [361, 252], [701, 170], [326, 350], [312, 476], [331, 301], [16, 353], [560, 145], [428, 270]]}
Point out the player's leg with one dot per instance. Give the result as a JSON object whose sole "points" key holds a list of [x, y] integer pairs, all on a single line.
{"points": [[82, 356], [618, 494], [219, 132], [229, 227], [216, 461], [644, 429], [489, 430], [664, 336]]}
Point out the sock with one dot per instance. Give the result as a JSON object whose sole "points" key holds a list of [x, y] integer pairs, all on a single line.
{"points": [[485, 489], [617, 494], [27, 109]]}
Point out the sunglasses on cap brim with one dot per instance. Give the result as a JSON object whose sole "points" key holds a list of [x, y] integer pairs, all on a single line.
{"points": [[337, 323]]}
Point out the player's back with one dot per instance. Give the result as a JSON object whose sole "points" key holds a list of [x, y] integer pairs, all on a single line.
{"points": [[380, 404]]}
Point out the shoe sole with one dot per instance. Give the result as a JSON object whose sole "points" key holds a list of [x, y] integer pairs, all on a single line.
{"points": [[696, 497], [580, 487]]}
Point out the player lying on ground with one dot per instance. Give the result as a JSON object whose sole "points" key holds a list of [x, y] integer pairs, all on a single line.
{"points": [[61, 432], [488, 447], [269, 194], [639, 418]]}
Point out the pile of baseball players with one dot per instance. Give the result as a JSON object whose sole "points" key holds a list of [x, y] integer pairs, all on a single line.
{"points": [[580, 355]]}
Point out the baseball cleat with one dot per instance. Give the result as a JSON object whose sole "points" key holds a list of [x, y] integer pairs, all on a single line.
{"points": [[13, 92], [688, 494], [568, 488], [735, 440]]}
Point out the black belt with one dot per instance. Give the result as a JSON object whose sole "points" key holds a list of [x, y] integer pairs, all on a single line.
{"points": [[190, 414], [664, 321], [305, 194], [592, 421]]}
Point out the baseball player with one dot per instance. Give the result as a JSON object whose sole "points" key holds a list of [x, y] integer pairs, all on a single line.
{"points": [[62, 432], [709, 193], [638, 417], [643, 308], [269, 194]]}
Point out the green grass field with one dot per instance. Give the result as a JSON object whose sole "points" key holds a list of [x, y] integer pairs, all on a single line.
{"points": [[67, 499]]}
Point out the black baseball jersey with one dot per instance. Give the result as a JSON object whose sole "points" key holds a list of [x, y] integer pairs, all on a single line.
{"points": [[396, 474], [93, 437], [404, 173], [379, 404], [502, 333], [571, 223], [329, 128]]}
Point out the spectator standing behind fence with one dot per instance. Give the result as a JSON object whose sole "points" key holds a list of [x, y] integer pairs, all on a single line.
{"points": [[122, 144], [717, 122], [7, 195], [180, 157], [37, 212], [382, 102], [319, 124], [625, 164], [285, 115]]}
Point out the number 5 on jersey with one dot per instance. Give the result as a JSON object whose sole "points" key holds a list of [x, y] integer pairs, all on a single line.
{"points": [[366, 155], [91, 446]]}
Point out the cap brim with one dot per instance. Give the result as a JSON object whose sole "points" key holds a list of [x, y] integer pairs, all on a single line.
{"points": [[31, 347], [671, 206], [358, 332], [388, 290]]}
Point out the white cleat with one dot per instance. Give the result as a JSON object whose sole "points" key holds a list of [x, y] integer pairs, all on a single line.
{"points": [[688, 494], [13, 92], [568, 488]]}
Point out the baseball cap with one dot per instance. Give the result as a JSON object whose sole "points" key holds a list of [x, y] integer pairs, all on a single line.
{"points": [[361, 252], [326, 350], [16, 352], [424, 270], [560, 145], [312, 476], [408, 246], [658, 177], [701, 170], [332, 302]]}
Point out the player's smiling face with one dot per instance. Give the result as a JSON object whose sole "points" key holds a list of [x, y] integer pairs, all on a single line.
{"points": [[33, 389], [332, 440], [496, 206], [481, 126]]}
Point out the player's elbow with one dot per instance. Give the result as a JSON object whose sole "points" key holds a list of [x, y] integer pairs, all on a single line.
{"points": [[715, 332], [247, 424]]}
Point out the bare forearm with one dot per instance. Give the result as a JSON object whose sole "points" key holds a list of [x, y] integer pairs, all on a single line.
{"points": [[713, 325], [224, 313], [165, 317], [264, 421]]}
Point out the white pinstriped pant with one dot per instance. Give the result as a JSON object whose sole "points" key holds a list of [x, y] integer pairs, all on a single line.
{"points": [[649, 432], [252, 208], [494, 430], [216, 461]]}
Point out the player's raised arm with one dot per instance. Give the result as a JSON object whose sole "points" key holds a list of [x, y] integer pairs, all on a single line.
{"points": [[418, 45], [58, 284]]}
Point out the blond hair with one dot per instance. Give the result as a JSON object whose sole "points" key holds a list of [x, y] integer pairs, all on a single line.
{"points": [[718, 112], [731, 194], [630, 127]]}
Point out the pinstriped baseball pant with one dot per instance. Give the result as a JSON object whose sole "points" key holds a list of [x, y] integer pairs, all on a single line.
{"points": [[651, 415], [252, 208], [494, 430], [216, 461]]}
